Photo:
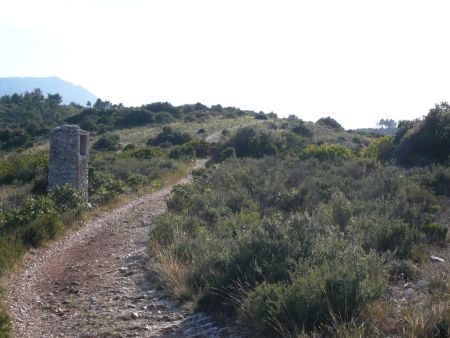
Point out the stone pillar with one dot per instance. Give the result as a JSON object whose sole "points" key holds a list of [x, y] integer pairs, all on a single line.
{"points": [[69, 158]]}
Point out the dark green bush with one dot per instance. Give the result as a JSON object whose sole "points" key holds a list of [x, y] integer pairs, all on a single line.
{"points": [[426, 141], [202, 148], [227, 153], [108, 142], [301, 129], [168, 134], [250, 142], [339, 287], [45, 227], [330, 123], [398, 237], [178, 152]]}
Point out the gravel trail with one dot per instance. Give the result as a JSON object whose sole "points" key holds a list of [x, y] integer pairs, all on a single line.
{"points": [[94, 282]]}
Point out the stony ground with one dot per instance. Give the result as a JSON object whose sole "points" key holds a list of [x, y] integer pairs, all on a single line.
{"points": [[94, 283]]}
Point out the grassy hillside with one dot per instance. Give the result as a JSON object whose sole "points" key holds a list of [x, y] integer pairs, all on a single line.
{"points": [[295, 228], [126, 160]]}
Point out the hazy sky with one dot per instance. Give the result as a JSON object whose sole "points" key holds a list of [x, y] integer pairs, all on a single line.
{"points": [[357, 61]]}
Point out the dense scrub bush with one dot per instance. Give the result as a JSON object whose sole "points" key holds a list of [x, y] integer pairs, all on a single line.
{"points": [[301, 129], [339, 287], [23, 168], [168, 134], [202, 148], [103, 186], [330, 123], [67, 198], [136, 181], [436, 233], [300, 238], [185, 150], [249, 142], [439, 180], [261, 116], [425, 141], [381, 149], [108, 142], [43, 228]]}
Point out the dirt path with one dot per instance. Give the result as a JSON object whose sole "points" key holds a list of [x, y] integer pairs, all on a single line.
{"points": [[94, 282]]}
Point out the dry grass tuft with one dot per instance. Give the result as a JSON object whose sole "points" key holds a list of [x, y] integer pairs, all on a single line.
{"points": [[12, 195], [429, 321], [174, 274]]}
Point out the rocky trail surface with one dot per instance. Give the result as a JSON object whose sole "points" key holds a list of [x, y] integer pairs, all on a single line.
{"points": [[95, 283]]}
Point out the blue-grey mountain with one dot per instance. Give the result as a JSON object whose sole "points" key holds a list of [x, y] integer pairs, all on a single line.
{"points": [[48, 85]]}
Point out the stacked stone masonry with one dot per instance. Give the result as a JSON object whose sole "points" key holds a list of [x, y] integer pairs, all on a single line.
{"points": [[69, 157]]}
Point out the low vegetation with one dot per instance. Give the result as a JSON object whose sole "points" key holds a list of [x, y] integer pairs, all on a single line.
{"points": [[296, 228], [30, 215], [297, 237]]}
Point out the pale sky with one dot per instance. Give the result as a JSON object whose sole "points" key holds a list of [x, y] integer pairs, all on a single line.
{"points": [[355, 60]]}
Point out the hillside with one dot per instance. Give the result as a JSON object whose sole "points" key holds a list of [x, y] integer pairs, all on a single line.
{"points": [[48, 85], [292, 228]]}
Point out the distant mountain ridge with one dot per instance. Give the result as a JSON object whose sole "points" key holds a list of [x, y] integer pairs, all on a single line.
{"points": [[48, 85]]}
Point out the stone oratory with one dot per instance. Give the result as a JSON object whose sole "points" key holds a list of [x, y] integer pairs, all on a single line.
{"points": [[69, 158]]}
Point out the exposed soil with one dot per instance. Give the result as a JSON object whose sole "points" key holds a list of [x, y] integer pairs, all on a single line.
{"points": [[94, 282]]}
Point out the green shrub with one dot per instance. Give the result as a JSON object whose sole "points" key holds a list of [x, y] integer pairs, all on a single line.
{"points": [[146, 153], [250, 142], [23, 168], [329, 123], [104, 186], [34, 207], [67, 198], [202, 148], [227, 153], [108, 142], [341, 209], [436, 233], [182, 151], [168, 134], [398, 237], [136, 181], [327, 152], [440, 180], [381, 149], [302, 129], [426, 141], [43, 228], [338, 287]]}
